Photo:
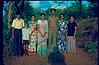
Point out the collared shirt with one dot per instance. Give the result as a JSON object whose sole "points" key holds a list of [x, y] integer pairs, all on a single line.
{"points": [[18, 23], [25, 33], [53, 22]]}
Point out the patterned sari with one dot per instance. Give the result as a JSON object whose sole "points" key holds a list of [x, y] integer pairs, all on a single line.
{"points": [[33, 41], [42, 41]]}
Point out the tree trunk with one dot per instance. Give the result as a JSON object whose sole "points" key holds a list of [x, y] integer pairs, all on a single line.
{"points": [[10, 12], [80, 8]]}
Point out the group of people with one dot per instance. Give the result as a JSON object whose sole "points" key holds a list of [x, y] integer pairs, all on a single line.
{"points": [[42, 36]]}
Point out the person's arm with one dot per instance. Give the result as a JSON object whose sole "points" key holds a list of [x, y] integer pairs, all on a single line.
{"points": [[75, 31], [38, 28], [46, 29], [12, 33], [23, 24], [57, 24], [33, 29], [49, 23], [13, 25], [66, 31]]}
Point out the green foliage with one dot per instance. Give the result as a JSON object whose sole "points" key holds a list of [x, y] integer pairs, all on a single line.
{"points": [[28, 11], [91, 47], [87, 34]]}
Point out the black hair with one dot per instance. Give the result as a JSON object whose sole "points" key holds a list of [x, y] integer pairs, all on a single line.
{"points": [[53, 9], [18, 12], [33, 15], [42, 14], [71, 16], [62, 14]]}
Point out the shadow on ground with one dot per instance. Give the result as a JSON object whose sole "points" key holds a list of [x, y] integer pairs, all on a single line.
{"points": [[56, 58]]}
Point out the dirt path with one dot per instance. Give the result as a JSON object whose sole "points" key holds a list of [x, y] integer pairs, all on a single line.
{"points": [[81, 58]]}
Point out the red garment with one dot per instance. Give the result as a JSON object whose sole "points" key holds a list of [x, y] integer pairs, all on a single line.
{"points": [[31, 52]]}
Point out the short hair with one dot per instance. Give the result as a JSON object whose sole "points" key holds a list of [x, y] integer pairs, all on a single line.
{"points": [[53, 9], [42, 14], [33, 15], [18, 12]]}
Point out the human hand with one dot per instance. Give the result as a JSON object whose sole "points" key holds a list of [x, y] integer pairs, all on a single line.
{"points": [[43, 35], [12, 38], [73, 37]]}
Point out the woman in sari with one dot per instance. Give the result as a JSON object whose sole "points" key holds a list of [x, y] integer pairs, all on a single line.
{"points": [[33, 37], [42, 35]]}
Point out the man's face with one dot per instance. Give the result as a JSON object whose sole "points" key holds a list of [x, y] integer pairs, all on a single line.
{"points": [[18, 15], [53, 12], [33, 18]]}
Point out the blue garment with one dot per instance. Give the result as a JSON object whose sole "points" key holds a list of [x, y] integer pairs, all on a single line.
{"points": [[17, 43], [61, 42], [71, 28]]}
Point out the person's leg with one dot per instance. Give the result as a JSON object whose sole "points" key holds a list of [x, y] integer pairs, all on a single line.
{"points": [[27, 49], [73, 44], [69, 43], [50, 42], [20, 47], [15, 45], [54, 39]]}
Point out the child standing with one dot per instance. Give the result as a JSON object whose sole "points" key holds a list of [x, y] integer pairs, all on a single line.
{"points": [[25, 33]]}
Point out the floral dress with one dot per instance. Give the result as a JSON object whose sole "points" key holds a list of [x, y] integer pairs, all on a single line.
{"points": [[61, 41], [33, 41], [42, 41]]}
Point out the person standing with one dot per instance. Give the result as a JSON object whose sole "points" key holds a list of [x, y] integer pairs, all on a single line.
{"points": [[42, 35], [53, 29], [17, 26], [61, 40], [25, 37], [33, 37], [71, 32]]}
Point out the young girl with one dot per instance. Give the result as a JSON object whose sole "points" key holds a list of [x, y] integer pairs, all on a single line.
{"points": [[42, 35], [61, 34], [25, 33]]}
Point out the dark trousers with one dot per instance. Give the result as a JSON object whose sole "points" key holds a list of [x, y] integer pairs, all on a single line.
{"points": [[17, 43]]}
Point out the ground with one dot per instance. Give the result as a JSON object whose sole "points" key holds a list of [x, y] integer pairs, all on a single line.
{"points": [[80, 58]]}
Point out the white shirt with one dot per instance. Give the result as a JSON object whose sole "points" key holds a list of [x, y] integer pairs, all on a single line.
{"points": [[25, 33]]}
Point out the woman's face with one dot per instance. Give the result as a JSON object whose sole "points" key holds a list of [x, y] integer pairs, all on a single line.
{"points": [[33, 18], [42, 17], [71, 18], [62, 16]]}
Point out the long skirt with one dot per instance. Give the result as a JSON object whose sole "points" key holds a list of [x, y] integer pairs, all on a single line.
{"points": [[42, 47], [33, 44]]}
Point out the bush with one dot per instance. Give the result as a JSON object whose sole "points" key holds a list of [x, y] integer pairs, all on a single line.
{"points": [[91, 47]]}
